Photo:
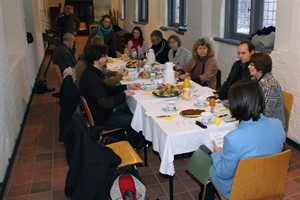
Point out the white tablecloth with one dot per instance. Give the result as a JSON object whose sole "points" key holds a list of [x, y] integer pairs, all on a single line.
{"points": [[171, 137]]}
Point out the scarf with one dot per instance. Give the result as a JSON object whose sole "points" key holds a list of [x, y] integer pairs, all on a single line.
{"points": [[103, 32], [135, 43]]}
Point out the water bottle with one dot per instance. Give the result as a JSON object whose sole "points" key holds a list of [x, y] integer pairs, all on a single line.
{"points": [[133, 54]]}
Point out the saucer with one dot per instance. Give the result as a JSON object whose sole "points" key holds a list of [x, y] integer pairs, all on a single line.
{"points": [[175, 108], [208, 122]]}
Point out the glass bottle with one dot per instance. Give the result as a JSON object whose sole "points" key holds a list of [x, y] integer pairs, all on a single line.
{"points": [[212, 104], [186, 87]]}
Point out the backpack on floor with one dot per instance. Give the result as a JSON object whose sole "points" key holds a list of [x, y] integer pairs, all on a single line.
{"points": [[127, 187]]}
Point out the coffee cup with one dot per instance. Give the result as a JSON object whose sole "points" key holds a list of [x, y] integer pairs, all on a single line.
{"points": [[206, 117], [171, 105], [201, 101]]}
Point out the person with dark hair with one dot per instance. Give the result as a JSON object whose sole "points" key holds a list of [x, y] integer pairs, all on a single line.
{"points": [[203, 66], [67, 22], [63, 55], [260, 68], [111, 77], [138, 42], [160, 47], [179, 55], [105, 100], [239, 69], [105, 30], [255, 136]]}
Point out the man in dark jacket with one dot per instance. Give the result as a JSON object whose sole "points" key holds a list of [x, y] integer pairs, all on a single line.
{"points": [[160, 46], [67, 22], [104, 100], [239, 69]]}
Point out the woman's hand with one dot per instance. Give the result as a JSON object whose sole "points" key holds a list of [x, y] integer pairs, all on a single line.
{"points": [[216, 147]]}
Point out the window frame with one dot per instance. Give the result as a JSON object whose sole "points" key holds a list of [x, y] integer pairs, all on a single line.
{"points": [[143, 10], [123, 9], [256, 19], [182, 14]]}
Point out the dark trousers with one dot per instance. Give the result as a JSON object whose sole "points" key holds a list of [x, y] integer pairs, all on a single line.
{"points": [[121, 118], [210, 191]]}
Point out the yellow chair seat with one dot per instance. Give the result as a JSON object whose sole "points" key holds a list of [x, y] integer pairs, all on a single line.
{"points": [[126, 153]]}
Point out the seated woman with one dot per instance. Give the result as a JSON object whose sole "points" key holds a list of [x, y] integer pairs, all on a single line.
{"points": [[203, 66], [255, 136], [178, 55], [137, 42], [107, 103], [260, 68]]}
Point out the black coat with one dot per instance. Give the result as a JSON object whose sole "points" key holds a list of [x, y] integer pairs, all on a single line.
{"points": [[91, 164], [69, 100]]}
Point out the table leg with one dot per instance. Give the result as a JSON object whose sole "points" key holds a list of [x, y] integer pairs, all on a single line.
{"points": [[145, 153], [171, 184]]}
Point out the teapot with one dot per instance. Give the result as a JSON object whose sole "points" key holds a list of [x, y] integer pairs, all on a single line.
{"points": [[150, 56]]}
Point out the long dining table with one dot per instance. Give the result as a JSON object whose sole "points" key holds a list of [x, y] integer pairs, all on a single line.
{"points": [[171, 133]]}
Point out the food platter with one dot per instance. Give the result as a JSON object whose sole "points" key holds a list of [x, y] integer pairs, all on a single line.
{"points": [[167, 90], [133, 63], [144, 75], [191, 113]]}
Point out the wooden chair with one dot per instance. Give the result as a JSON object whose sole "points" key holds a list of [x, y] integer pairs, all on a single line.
{"points": [[121, 148], [83, 28], [58, 72], [288, 100], [91, 119], [260, 178]]}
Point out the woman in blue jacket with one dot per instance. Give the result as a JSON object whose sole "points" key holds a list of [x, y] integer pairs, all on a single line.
{"points": [[255, 136]]}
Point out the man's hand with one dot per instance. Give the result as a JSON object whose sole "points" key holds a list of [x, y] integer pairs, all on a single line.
{"points": [[135, 86], [128, 92]]}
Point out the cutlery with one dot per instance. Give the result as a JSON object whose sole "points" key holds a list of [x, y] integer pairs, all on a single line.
{"points": [[161, 116]]}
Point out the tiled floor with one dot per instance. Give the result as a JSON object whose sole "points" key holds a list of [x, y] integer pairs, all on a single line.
{"points": [[40, 166]]}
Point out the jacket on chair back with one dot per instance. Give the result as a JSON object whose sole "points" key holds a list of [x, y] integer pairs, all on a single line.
{"points": [[91, 164]]}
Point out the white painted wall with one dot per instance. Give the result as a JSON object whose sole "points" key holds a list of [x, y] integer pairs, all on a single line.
{"points": [[206, 19], [19, 64]]}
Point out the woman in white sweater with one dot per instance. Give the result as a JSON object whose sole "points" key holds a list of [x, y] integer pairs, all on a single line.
{"points": [[180, 56]]}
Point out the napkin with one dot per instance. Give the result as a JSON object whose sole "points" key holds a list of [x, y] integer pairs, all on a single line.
{"points": [[168, 118], [125, 79], [218, 120], [147, 93]]}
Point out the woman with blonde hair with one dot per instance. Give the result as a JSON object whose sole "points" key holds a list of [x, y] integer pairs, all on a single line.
{"points": [[203, 66]]}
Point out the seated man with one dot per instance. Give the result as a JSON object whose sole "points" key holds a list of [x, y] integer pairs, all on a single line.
{"points": [[62, 55], [107, 102], [160, 46], [111, 77], [239, 69]]}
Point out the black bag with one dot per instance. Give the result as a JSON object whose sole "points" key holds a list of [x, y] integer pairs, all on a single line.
{"points": [[40, 87]]}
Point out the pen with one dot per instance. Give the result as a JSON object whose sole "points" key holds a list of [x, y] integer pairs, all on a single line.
{"points": [[163, 116], [224, 115]]}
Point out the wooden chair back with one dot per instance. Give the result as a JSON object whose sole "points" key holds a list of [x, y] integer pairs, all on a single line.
{"points": [[259, 178], [58, 72], [288, 100], [87, 111]]}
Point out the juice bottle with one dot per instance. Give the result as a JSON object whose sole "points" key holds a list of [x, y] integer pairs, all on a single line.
{"points": [[212, 104], [186, 87]]}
